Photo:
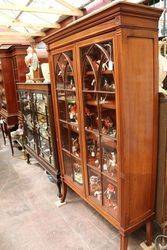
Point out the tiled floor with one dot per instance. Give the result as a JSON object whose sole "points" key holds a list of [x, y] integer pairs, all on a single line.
{"points": [[29, 219]]}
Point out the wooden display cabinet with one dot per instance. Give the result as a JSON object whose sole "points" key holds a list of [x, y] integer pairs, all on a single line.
{"points": [[39, 138], [13, 70], [105, 88], [18, 53]]}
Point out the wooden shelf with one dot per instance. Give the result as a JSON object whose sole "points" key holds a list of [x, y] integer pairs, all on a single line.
{"points": [[106, 104], [98, 91], [112, 180], [94, 168]]}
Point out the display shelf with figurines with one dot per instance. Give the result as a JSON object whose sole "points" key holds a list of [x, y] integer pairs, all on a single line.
{"points": [[100, 124], [105, 94], [68, 118], [35, 105]]}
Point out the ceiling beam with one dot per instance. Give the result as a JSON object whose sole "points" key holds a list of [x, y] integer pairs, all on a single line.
{"points": [[19, 23], [66, 4], [16, 40], [18, 7], [15, 33]]}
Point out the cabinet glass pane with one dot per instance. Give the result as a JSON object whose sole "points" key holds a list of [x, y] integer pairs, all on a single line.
{"points": [[69, 74], [60, 73], [64, 136], [107, 82], [42, 125], [109, 159], [77, 172], [68, 116], [93, 150], [91, 111], [74, 142], [30, 138], [62, 105], [108, 122], [41, 103], [107, 101], [67, 165], [44, 148], [95, 187], [110, 197], [98, 85], [72, 107], [98, 67]]}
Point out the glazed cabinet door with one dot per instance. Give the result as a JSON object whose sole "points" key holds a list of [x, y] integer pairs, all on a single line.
{"points": [[27, 109], [96, 67], [67, 114], [42, 126]]}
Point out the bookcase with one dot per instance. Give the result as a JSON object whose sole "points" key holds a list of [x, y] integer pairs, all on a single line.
{"points": [[105, 92]]}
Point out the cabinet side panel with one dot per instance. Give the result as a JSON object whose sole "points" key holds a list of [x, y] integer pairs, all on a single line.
{"points": [[138, 125]]}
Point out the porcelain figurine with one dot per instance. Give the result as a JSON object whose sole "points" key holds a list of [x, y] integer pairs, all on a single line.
{"points": [[72, 84], [105, 162], [97, 163], [88, 118], [95, 185], [32, 62], [77, 173], [107, 125], [110, 194], [113, 160], [109, 65], [75, 146], [45, 72], [113, 133], [72, 112], [17, 134], [98, 195], [93, 83], [94, 180]]}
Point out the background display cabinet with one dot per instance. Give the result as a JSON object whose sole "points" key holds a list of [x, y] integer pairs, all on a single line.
{"points": [[8, 97], [105, 89], [36, 107], [12, 70], [161, 202]]}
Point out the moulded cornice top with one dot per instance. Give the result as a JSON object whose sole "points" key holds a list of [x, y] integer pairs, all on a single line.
{"points": [[106, 13]]}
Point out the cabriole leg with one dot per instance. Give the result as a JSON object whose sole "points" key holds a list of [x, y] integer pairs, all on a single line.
{"points": [[10, 141], [28, 158], [59, 184], [64, 193], [3, 133]]}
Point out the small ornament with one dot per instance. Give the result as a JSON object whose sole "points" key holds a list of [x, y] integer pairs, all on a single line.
{"points": [[77, 173], [93, 82], [97, 163], [110, 194], [98, 195], [72, 112], [75, 146], [107, 125], [88, 118]]}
